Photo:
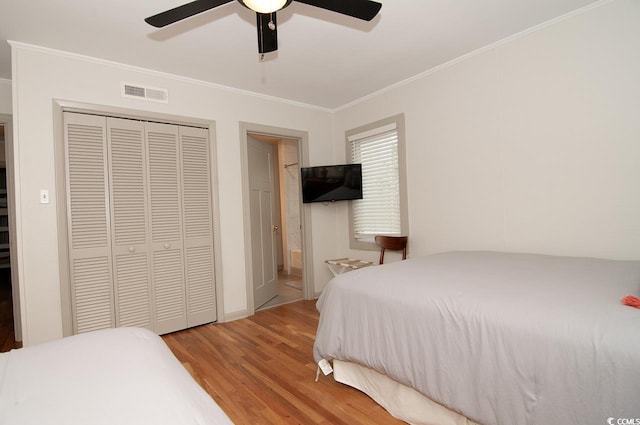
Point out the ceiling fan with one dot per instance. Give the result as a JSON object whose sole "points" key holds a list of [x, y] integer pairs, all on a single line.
{"points": [[266, 14]]}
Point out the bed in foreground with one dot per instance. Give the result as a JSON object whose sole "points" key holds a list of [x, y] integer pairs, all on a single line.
{"points": [[115, 376], [495, 338]]}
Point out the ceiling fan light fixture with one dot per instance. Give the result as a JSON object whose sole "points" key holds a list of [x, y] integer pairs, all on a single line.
{"points": [[265, 6]]}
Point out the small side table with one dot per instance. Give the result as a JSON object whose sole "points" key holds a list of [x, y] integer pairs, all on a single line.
{"points": [[343, 265]]}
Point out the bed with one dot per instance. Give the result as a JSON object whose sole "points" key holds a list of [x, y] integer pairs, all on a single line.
{"points": [[115, 376], [488, 337]]}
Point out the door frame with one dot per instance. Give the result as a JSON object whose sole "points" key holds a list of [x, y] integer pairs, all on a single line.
{"points": [[305, 212], [61, 106]]}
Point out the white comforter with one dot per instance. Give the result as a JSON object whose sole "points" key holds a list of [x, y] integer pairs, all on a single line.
{"points": [[116, 376], [501, 338]]}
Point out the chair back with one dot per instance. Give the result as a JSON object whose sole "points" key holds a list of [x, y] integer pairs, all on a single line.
{"points": [[394, 243]]}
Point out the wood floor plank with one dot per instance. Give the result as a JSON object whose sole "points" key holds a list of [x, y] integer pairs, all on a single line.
{"points": [[260, 370]]}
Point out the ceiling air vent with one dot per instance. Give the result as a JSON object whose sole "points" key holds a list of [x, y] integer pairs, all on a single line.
{"points": [[145, 93]]}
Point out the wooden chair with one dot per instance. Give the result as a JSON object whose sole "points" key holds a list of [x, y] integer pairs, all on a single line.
{"points": [[394, 243]]}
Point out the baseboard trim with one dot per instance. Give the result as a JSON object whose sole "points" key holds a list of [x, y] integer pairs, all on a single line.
{"points": [[235, 315]]}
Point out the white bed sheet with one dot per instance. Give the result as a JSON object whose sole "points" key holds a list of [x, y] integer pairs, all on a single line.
{"points": [[115, 376], [500, 338]]}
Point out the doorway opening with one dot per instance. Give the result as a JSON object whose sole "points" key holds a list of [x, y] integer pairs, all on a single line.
{"points": [[286, 218], [276, 232], [10, 325]]}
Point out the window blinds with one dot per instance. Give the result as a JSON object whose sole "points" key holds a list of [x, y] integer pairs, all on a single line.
{"points": [[379, 210]]}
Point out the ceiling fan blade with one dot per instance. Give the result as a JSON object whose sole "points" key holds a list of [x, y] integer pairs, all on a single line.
{"points": [[267, 32], [361, 9], [185, 11]]}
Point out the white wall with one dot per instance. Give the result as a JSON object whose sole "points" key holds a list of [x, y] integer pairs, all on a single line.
{"points": [[40, 76], [5, 96], [530, 145]]}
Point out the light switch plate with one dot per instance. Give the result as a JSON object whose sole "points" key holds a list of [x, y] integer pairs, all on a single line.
{"points": [[44, 196]]}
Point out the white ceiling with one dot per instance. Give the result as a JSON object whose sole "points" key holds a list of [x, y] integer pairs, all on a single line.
{"points": [[324, 59]]}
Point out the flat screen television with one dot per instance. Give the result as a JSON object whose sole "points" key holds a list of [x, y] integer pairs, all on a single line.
{"points": [[331, 183]]}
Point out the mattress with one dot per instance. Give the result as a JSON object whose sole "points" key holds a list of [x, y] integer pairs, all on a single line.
{"points": [[500, 338], [114, 376]]}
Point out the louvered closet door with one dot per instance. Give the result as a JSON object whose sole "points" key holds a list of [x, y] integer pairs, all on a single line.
{"points": [[165, 202], [130, 244], [198, 226], [88, 222]]}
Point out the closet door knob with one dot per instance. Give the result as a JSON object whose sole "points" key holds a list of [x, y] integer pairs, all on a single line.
{"points": [[167, 246], [132, 249]]}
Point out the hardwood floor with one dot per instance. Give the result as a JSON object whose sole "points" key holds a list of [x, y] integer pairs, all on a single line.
{"points": [[260, 370]]}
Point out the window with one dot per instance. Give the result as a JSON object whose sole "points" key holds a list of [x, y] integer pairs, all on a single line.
{"points": [[379, 147]]}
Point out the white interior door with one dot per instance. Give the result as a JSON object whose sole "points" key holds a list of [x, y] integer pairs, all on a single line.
{"points": [[165, 200], [263, 228], [198, 226], [129, 230], [89, 226]]}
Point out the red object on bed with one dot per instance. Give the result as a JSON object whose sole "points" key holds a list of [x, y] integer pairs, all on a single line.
{"points": [[631, 301]]}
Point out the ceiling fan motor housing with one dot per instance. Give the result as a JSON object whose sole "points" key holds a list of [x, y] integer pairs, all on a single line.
{"points": [[265, 6]]}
